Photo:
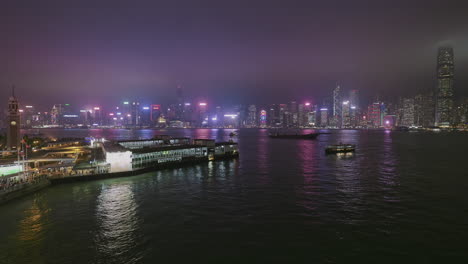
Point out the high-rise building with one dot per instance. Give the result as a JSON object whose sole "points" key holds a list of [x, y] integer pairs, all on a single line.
{"points": [[374, 115], [424, 110], [324, 117], [346, 114], [302, 115], [155, 113], [27, 117], [263, 118], [337, 105], [312, 116], [252, 116], [462, 113], [179, 107], [135, 114], [202, 114], [445, 84], [407, 112], [97, 115], [273, 115], [354, 98], [145, 116], [283, 110], [55, 114], [13, 131]]}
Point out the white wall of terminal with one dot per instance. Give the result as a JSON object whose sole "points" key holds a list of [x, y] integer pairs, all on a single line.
{"points": [[119, 161]]}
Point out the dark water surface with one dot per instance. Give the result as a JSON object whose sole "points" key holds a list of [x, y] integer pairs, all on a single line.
{"points": [[401, 198]]}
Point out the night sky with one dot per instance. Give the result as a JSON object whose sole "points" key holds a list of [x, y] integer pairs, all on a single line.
{"points": [[83, 52]]}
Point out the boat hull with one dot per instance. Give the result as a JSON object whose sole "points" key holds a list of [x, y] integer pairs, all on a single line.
{"points": [[306, 136]]}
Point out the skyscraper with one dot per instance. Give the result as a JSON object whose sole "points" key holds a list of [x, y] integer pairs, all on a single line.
{"points": [[135, 114], [252, 116], [323, 117], [337, 105], [445, 83], [354, 98], [13, 132], [407, 112], [346, 115], [374, 114]]}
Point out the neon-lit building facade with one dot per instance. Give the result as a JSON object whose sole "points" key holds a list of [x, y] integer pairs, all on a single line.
{"points": [[263, 118]]}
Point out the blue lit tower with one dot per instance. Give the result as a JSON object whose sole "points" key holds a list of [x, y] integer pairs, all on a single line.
{"points": [[445, 83]]}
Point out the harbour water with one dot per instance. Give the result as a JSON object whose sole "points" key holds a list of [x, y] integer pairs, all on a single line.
{"points": [[401, 197]]}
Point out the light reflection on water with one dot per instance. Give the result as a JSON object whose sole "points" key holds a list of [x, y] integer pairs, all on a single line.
{"points": [[118, 224]]}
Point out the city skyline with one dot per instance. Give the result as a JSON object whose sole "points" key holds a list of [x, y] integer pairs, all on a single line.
{"points": [[444, 95], [228, 54]]}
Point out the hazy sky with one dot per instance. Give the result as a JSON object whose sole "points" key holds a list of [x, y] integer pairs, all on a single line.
{"points": [[229, 51]]}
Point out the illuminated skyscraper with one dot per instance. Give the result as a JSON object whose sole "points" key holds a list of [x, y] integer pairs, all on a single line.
{"points": [[323, 117], [13, 132], [179, 107], [354, 98], [407, 112], [374, 115], [135, 114], [263, 118], [445, 83], [273, 115], [283, 109], [346, 114], [97, 115], [337, 105], [27, 117], [155, 113], [252, 116], [55, 114]]}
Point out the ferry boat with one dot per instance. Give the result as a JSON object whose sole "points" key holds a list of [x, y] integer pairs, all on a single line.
{"points": [[340, 148], [295, 136]]}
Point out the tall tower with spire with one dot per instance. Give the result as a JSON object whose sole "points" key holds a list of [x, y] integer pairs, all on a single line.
{"points": [[13, 131]]}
